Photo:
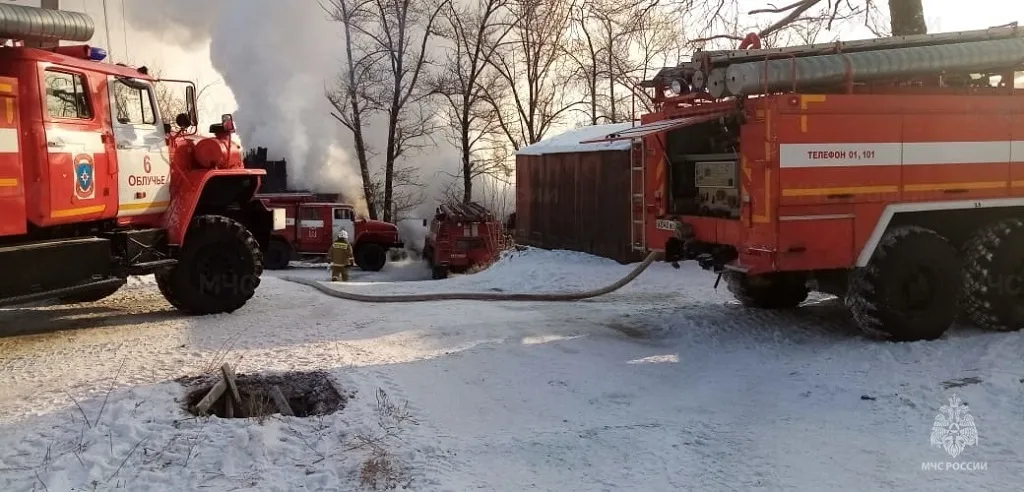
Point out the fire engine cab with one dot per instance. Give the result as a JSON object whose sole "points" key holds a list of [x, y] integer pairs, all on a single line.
{"points": [[95, 187], [311, 226]]}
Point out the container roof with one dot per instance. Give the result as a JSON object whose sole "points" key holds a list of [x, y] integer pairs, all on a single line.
{"points": [[569, 142]]}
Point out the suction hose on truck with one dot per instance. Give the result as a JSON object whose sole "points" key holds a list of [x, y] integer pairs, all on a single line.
{"points": [[482, 296]]}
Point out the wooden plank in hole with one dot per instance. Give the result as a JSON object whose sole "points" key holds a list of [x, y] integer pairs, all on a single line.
{"points": [[281, 401], [229, 376], [211, 397]]}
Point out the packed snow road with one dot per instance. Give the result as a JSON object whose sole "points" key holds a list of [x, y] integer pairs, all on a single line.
{"points": [[664, 385]]}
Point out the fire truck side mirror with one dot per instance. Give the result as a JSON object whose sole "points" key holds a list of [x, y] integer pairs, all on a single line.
{"points": [[183, 121], [228, 122], [190, 107]]}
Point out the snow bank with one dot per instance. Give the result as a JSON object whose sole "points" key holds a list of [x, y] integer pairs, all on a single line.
{"points": [[570, 141]]}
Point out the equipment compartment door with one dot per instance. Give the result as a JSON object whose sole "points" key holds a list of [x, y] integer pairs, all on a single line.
{"points": [[314, 237], [142, 154], [344, 221]]}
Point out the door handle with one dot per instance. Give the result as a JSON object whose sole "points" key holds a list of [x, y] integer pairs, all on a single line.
{"points": [[124, 146], [55, 143]]}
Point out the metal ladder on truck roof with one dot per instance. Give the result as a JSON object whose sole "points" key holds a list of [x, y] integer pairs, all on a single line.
{"points": [[638, 205]]}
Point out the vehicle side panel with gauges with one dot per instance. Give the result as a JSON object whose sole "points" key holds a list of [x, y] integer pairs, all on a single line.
{"points": [[717, 181]]}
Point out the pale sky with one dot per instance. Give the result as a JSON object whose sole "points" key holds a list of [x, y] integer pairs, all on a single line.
{"points": [[137, 48], [145, 48]]}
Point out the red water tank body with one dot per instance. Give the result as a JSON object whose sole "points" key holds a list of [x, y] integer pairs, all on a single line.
{"points": [[217, 152]]}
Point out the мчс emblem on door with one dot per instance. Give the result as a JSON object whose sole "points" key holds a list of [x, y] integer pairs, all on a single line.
{"points": [[85, 177]]}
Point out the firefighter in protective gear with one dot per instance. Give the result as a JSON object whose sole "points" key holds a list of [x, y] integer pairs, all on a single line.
{"points": [[341, 258]]}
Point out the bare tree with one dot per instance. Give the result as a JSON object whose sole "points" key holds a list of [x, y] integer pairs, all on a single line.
{"points": [[407, 192], [475, 32], [496, 193], [657, 40], [400, 31], [600, 48], [585, 56], [170, 97], [617, 26], [721, 18], [534, 96], [351, 96]]}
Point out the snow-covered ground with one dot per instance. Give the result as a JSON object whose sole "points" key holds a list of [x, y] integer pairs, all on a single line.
{"points": [[664, 385]]}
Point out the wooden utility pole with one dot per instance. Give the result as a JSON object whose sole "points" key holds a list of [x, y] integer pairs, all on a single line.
{"points": [[106, 29]]}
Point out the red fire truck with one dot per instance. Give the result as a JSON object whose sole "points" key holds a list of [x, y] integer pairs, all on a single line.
{"points": [[311, 227], [461, 236], [889, 172], [94, 187]]}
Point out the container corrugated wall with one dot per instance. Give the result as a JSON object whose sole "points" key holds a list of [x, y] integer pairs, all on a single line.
{"points": [[575, 201]]}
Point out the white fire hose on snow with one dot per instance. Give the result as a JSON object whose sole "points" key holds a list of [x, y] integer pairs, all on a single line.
{"points": [[481, 296]]}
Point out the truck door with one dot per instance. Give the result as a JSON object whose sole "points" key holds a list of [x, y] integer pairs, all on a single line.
{"points": [[344, 220], [143, 158], [313, 236], [79, 170]]}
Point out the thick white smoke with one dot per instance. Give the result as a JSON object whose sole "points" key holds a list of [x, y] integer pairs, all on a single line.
{"points": [[276, 57]]}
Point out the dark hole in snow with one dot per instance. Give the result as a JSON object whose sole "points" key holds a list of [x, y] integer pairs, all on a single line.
{"points": [[308, 394]]}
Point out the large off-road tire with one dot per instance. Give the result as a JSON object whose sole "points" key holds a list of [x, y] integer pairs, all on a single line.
{"points": [[993, 276], [91, 295], [439, 272], [781, 290], [909, 289], [371, 257], [218, 269], [279, 254]]}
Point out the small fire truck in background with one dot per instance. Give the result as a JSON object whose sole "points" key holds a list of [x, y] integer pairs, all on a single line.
{"points": [[94, 187], [311, 226], [888, 172], [460, 237]]}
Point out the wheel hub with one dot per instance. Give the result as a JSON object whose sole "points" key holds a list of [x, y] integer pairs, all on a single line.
{"points": [[918, 293], [217, 269]]}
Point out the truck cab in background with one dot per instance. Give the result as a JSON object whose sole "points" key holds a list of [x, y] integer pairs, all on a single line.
{"points": [[462, 236], [311, 226]]}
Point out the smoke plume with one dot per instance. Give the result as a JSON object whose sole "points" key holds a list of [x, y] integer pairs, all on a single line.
{"points": [[276, 57]]}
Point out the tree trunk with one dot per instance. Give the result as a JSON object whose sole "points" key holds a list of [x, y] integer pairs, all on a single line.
{"points": [[357, 121], [389, 163], [907, 17], [364, 171], [467, 163], [611, 84]]}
